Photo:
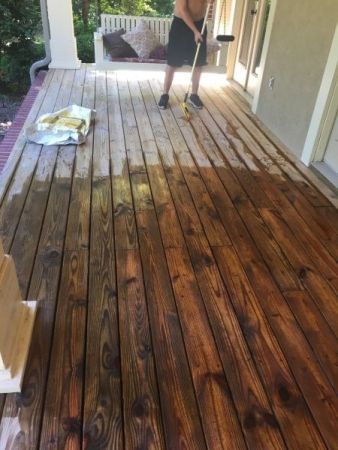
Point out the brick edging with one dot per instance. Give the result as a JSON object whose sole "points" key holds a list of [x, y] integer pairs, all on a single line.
{"points": [[7, 144]]}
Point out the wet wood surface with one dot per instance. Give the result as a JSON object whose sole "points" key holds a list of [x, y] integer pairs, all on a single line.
{"points": [[186, 276]]}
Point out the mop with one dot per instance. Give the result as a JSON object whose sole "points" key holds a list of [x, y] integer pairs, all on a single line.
{"points": [[184, 105]]}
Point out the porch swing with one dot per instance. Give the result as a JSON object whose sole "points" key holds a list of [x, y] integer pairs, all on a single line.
{"points": [[160, 27], [223, 37]]}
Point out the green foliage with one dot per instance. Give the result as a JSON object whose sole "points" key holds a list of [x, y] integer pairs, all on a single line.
{"points": [[20, 23], [15, 64], [85, 39], [162, 7]]}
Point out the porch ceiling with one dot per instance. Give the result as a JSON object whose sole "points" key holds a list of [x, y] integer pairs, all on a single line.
{"points": [[186, 275]]}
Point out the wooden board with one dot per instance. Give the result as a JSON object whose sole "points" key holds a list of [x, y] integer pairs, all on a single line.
{"points": [[20, 348], [18, 188], [14, 157], [181, 423], [68, 350], [2, 253], [10, 299], [181, 289], [141, 405], [102, 377]]}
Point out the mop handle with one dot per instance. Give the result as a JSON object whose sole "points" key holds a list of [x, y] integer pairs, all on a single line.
{"points": [[197, 50]]}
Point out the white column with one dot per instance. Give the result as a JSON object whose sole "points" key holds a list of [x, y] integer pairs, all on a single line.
{"points": [[62, 42]]}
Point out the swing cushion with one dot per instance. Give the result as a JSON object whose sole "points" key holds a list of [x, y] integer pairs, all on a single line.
{"points": [[141, 39], [117, 47]]}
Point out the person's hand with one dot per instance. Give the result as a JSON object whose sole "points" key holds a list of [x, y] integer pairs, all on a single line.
{"points": [[198, 37]]}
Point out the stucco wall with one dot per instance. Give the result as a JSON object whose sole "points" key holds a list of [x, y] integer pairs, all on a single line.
{"points": [[300, 41]]}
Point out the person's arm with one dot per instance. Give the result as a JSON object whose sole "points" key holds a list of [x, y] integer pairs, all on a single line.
{"points": [[183, 13]]}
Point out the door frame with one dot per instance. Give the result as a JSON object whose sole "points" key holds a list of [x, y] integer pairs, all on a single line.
{"points": [[323, 114], [236, 20]]}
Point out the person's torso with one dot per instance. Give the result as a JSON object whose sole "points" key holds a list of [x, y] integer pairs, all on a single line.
{"points": [[196, 9]]}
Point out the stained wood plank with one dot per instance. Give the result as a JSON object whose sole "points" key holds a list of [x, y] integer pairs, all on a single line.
{"points": [[238, 323], [216, 408], [168, 221], [219, 417], [141, 407], [18, 189], [298, 427], [258, 422], [286, 280], [324, 296], [20, 143], [270, 250], [27, 234], [282, 192], [77, 236], [204, 206], [124, 218], [317, 331], [308, 181], [61, 426], [62, 419], [102, 378], [272, 253], [102, 401], [139, 180], [23, 413], [26, 410], [297, 350], [164, 322], [312, 194], [258, 281], [189, 218], [181, 422]]}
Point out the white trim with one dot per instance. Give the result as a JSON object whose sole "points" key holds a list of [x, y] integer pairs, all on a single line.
{"points": [[328, 123], [322, 104], [236, 17], [265, 49], [63, 46], [326, 171]]}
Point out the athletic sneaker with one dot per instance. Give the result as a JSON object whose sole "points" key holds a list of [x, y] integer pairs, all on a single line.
{"points": [[195, 101], [163, 103]]}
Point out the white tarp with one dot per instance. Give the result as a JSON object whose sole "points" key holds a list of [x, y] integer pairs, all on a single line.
{"points": [[67, 126]]}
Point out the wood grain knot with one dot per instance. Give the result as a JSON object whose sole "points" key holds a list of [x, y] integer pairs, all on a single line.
{"points": [[110, 361], [51, 256], [249, 420], [302, 273], [145, 351], [213, 214], [284, 394], [270, 420], [122, 208], [238, 200], [130, 280], [71, 425], [139, 408], [208, 261]]}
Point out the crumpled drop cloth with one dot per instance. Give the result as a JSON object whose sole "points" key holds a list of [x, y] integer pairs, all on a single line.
{"points": [[67, 126]]}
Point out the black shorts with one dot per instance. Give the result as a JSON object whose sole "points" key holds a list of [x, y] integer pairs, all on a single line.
{"points": [[182, 45]]}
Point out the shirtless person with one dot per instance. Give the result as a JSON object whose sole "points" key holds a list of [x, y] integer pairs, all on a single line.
{"points": [[184, 35]]}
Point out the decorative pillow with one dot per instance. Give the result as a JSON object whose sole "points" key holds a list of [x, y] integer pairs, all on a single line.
{"points": [[212, 46], [160, 52], [141, 39], [117, 47]]}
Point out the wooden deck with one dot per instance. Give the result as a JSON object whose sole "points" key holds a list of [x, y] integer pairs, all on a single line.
{"points": [[186, 275]]}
